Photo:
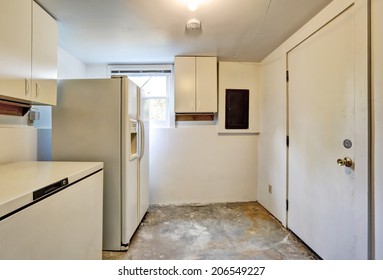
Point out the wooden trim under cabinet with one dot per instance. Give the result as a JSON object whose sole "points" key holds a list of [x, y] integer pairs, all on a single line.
{"points": [[195, 117], [13, 109]]}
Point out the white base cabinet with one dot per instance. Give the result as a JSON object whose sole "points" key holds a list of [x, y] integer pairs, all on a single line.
{"points": [[64, 225]]}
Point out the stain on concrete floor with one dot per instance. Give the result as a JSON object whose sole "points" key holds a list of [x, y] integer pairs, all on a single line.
{"points": [[223, 231]]}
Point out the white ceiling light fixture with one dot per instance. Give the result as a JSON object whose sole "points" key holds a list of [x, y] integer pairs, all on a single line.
{"points": [[193, 24], [193, 5]]}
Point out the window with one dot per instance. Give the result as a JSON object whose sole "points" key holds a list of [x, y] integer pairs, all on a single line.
{"points": [[155, 83]]}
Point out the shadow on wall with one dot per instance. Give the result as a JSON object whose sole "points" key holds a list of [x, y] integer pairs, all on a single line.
{"points": [[44, 144]]}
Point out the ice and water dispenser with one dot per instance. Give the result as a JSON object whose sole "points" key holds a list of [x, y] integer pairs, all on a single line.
{"points": [[133, 139]]}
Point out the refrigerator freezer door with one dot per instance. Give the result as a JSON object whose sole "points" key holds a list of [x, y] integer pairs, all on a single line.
{"points": [[131, 90], [129, 186]]}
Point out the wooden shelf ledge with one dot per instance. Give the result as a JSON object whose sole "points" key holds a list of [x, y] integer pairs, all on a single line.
{"points": [[13, 108], [194, 117]]}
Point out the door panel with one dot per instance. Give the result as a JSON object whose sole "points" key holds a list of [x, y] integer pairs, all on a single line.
{"points": [[44, 57], [206, 89], [15, 49], [184, 84], [129, 189], [327, 202], [143, 173]]}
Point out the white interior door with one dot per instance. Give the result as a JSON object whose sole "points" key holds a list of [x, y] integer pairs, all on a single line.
{"points": [[328, 202]]}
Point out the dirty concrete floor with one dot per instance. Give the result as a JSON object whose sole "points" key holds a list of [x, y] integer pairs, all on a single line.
{"points": [[227, 231]]}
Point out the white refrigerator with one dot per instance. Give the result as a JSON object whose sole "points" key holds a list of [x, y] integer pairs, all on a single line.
{"points": [[99, 120]]}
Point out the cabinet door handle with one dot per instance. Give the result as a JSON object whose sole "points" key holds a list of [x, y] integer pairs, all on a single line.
{"points": [[26, 86]]}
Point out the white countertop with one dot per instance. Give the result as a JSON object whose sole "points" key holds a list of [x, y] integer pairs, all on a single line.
{"points": [[19, 180]]}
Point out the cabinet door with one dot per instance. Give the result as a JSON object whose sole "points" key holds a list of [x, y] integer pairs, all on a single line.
{"points": [[206, 84], [44, 57], [15, 49], [184, 84]]}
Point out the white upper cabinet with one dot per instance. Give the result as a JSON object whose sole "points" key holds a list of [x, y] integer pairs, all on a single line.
{"points": [[184, 84], [28, 53], [15, 49], [206, 84], [195, 84], [44, 57]]}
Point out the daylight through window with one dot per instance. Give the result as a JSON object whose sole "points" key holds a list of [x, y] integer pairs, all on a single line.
{"points": [[155, 84]]}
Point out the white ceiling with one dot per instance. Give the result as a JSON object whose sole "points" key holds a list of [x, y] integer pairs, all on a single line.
{"points": [[153, 31]]}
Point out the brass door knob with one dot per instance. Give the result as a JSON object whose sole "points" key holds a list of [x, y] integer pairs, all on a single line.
{"points": [[345, 162]]}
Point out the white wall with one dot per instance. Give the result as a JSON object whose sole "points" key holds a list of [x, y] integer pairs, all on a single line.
{"points": [[377, 89], [69, 67], [95, 71], [239, 75], [196, 165], [18, 142], [44, 133], [272, 142], [193, 164]]}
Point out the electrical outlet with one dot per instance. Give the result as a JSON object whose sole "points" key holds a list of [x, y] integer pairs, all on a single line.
{"points": [[270, 188]]}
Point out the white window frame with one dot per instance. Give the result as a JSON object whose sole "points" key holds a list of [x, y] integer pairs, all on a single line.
{"points": [[151, 69]]}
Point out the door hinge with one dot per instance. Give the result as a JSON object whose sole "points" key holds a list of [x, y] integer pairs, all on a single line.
{"points": [[287, 205], [287, 75], [287, 141]]}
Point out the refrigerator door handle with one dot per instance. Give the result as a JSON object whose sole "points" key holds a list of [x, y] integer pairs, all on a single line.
{"points": [[142, 140]]}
